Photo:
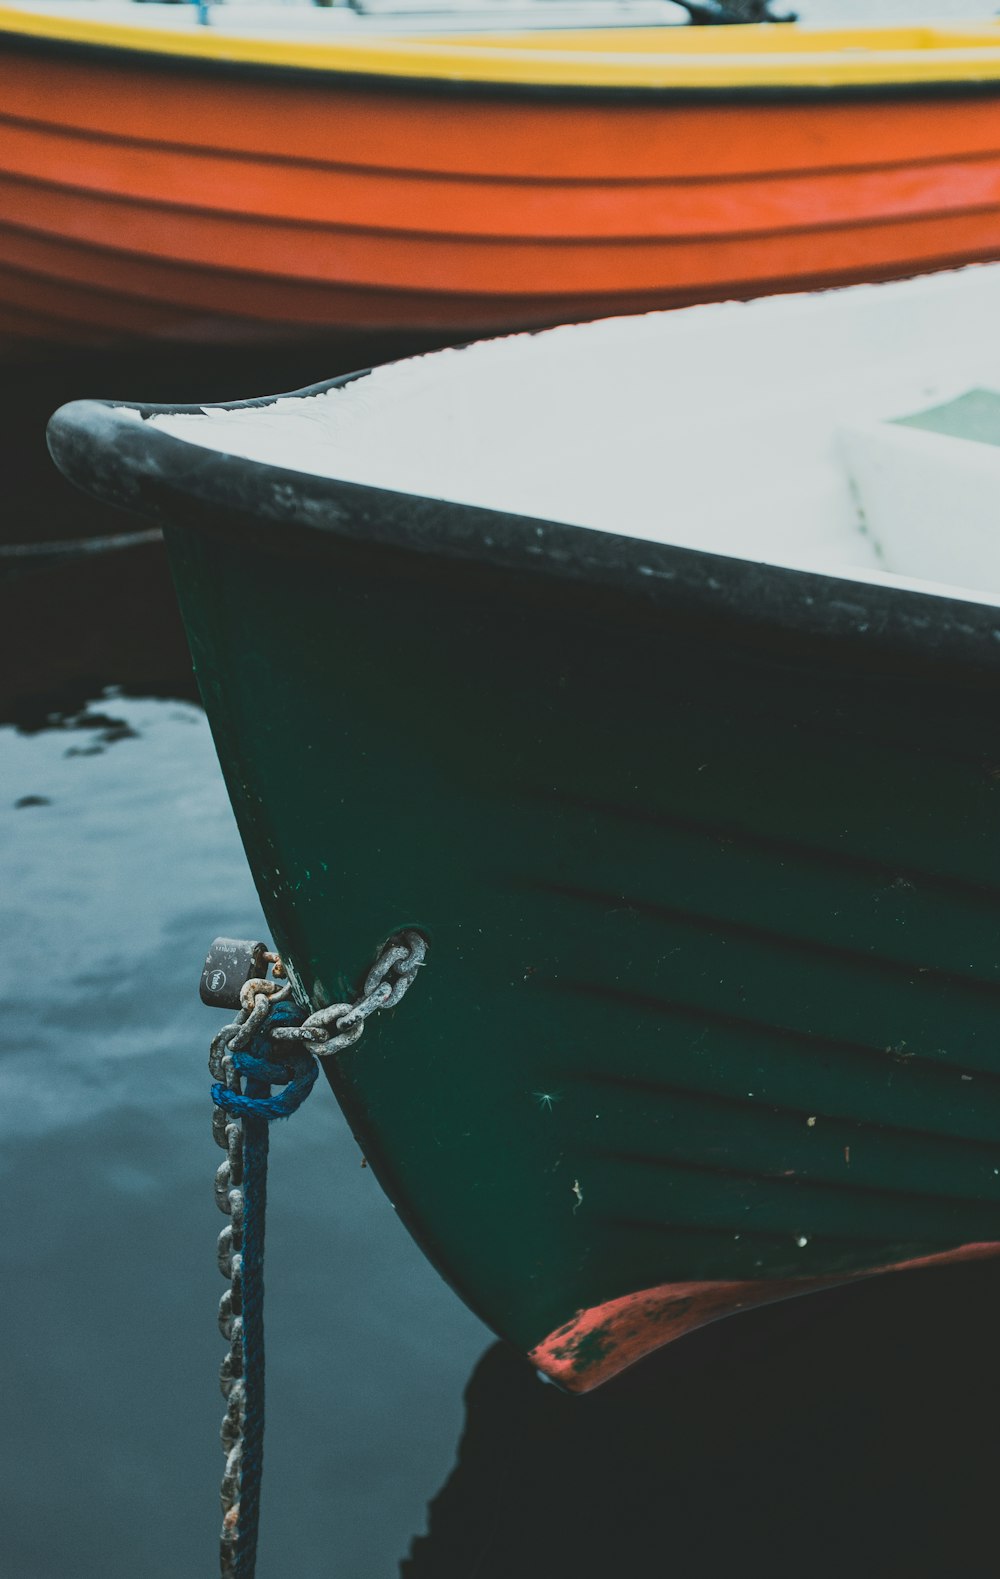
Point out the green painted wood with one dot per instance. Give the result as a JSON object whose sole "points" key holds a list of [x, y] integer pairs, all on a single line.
{"points": [[713, 989]]}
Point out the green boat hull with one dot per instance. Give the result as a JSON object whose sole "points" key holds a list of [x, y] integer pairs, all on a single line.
{"points": [[706, 855]]}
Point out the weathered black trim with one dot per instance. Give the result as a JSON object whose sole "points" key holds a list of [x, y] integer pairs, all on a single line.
{"points": [[147, 470], [451, 88], [141, 468]]}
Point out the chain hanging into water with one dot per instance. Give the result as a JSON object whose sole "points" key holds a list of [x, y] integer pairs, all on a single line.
{"points": [[271, 1043]]}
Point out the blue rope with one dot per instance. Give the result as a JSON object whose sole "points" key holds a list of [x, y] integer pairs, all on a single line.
{"points": [[297, 1072]]}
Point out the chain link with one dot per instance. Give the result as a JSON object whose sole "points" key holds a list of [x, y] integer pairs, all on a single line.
{"points": [[339, 1025], [327, 1031], [227, 1131]]}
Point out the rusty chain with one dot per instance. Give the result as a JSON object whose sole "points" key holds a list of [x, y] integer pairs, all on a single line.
{"points": [[326, 1032]]}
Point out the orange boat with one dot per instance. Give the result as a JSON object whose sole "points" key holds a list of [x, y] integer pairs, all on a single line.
{"points": [[161, 179]]}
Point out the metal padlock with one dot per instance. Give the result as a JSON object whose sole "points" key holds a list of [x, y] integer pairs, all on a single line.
{"points": [[231, 963]]}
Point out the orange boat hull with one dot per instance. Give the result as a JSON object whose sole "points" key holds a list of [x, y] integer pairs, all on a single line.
{"points": [[138, 202]]}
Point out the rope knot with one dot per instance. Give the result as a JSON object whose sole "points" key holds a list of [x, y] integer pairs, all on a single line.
{"points": [[294, 1068]]}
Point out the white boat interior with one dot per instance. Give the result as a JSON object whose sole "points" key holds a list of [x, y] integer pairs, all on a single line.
{"points": [[854, 432], [318, 21], [304, 22]]}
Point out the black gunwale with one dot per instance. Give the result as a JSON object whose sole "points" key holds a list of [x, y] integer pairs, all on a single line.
{"points": [[446, 87], [141, 468]]}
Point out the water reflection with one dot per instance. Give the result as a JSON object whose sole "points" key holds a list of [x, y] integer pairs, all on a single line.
{"points": [[852, 1432], [121, 861], [76, 628]]}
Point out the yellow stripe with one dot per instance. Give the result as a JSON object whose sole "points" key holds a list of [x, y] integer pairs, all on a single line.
{"points": [[727, 57]]}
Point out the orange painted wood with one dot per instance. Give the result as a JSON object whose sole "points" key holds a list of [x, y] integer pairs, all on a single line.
{"points": [[90, 308], [494, 266], [460, 205], [267, 204], [490, 134], [600, 1343]]}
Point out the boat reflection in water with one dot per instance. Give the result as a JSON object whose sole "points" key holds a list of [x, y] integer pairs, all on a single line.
{"points": [[650, 668], [851, 1433]]}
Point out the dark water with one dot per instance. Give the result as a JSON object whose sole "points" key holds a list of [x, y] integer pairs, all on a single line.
{"points": [[121, 860], [854, 1432]]}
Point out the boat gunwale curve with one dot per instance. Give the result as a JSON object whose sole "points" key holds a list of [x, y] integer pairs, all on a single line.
{"points": [[445, 78], [141, 468]]}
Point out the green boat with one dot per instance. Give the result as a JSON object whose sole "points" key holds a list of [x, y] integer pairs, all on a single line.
{"points": [[650, 670]]}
